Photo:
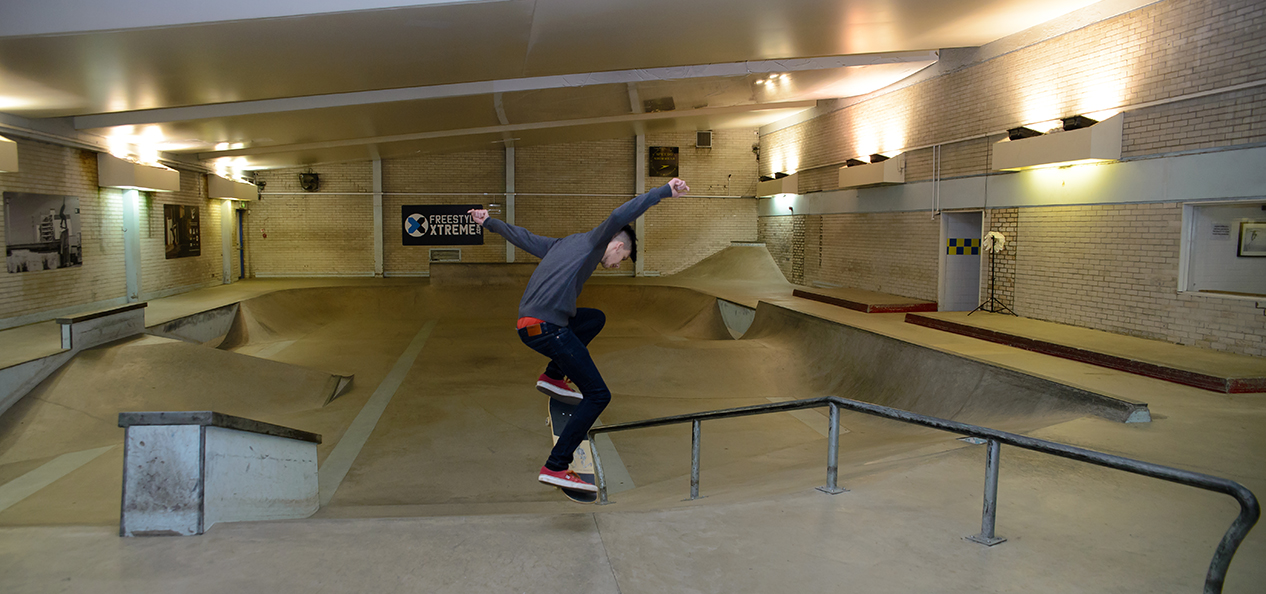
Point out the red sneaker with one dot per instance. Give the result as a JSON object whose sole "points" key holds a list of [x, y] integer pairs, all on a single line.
{"points": [[565, 478], [558, 389]]}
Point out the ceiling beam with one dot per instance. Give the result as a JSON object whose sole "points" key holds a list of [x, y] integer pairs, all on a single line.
{"points": [[630, 118], [242, 108]]}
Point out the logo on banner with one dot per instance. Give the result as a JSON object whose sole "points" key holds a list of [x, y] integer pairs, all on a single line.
{"points": [[415, 225], [440, 224]]}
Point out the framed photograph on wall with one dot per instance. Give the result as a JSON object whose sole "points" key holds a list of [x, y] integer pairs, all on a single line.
{"points": [[1252, 239], [41, 232], [183, 231]]}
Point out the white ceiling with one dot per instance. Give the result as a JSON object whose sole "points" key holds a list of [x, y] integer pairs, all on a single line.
{"points": [[293, 83]]}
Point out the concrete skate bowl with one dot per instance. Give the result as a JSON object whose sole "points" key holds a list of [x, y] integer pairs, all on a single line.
{"points": [[787, 355]]}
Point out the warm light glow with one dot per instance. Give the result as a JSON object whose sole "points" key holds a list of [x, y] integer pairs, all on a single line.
{"points": [[1065, 164], [223, 146], [231, 168]]}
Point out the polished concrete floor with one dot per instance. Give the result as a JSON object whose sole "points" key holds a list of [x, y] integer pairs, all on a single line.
{"points": [[441, 495]]}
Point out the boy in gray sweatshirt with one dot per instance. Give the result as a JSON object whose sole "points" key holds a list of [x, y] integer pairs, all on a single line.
{"points": [[551, 324]]}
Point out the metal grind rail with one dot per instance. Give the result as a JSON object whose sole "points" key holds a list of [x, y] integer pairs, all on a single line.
{"points": [[1249, 509]]}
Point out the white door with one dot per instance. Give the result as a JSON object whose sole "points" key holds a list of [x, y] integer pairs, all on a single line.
{"points": [[960, 282]]}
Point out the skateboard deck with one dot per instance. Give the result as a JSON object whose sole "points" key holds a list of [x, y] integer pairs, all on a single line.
{"points": [[582, 462]]}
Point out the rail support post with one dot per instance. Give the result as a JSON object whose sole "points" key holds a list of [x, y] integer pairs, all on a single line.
{"points": [[989, 514], [695, 431], [833, 453]]}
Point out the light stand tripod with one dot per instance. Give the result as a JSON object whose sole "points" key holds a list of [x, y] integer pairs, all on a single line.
{"points": [[994, 306]]}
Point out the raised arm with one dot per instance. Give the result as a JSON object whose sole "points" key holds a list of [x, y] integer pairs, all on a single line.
{"points": [[520, 237], [629, 211]]}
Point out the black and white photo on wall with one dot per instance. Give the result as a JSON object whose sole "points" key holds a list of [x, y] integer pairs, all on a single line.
{"points": [[42, 232], [182, 230]]}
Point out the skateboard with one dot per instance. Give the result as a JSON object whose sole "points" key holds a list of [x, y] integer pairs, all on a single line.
{"points": [[582, 461]]}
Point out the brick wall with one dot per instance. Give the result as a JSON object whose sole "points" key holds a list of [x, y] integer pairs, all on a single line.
{"points": [[161, 276], [470, 173], [322, 233], [683, 231], [1006, 222], [1115, 268], [1154, 53], [1157, 53], [56, 170]]}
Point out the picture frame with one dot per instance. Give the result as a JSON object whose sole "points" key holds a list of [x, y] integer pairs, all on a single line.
{"points": [[1252, 239]]}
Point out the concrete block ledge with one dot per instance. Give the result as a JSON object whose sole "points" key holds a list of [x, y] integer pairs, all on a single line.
{"points": [[183, 472]]}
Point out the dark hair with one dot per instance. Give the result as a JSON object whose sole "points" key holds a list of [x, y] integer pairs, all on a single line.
{"points": [[631, 243]]}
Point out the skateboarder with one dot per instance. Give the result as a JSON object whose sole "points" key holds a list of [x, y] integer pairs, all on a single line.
{"points": [[552, 325]]}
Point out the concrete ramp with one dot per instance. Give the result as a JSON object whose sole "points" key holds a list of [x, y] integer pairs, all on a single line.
{"points": [[836, 359], [78, 406], [748, 262]]}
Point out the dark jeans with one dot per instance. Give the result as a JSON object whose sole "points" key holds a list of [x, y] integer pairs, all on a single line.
{"points": [[568, 355]]}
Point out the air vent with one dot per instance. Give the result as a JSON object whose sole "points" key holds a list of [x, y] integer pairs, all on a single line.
{"points": [[703, 139], [446, 254]]}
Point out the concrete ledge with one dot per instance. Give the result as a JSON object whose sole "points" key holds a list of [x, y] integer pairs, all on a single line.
{"points": [[1170, 373], [866, 301], [86, 330], [186, 471], [491, 274]]}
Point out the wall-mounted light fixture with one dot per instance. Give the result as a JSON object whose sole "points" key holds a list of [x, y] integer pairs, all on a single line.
{"points": [[113, 172], [1082, 141], [8, 155], [1021, 133], [229, 189], [881, 171], [778, 183]]}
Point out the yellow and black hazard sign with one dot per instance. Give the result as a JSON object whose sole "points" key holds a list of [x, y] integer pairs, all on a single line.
{"points": [[962, 247]]}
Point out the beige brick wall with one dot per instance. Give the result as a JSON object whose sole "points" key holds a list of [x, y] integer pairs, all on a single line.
{"points": [[322, 233], [562, 189], [896, 253], [1115, 268], [681, 232], [160, 276], [776, 233], [472, 174], [1005, 221], [1165, 50], [56, 170], [1157, 52]]}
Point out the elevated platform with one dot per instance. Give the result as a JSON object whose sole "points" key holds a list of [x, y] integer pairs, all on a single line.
{"points": [[1201, 368], [865, 301]]}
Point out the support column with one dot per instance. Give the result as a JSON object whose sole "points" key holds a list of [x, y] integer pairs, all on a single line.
{"points": [[132, 243], [509, 208], [378, 259], [227, 215], [639, 226]]}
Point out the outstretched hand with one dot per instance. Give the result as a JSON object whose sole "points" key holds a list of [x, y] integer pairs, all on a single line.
{"points": [[480, 215], [678, 187]]}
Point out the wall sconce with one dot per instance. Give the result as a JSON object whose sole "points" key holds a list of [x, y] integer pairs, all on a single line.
{"points": [[1021, 133], [228, 189], [8, 155], [881, 171], [782, 183], [113, 172], [1082, 141]]}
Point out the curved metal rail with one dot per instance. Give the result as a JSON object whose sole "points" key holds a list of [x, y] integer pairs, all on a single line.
{"points": [[1214, 579]]}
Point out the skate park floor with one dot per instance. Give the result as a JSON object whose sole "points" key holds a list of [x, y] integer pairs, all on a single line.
{"points": [[442, 496]]}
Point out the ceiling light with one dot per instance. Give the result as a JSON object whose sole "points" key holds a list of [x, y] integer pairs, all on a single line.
{"points": [[113, 172], [8, 155]]}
